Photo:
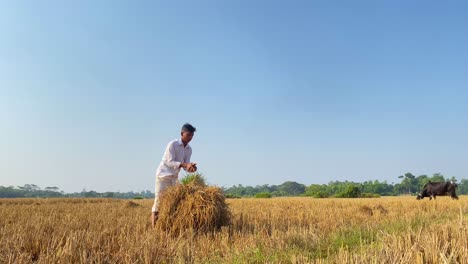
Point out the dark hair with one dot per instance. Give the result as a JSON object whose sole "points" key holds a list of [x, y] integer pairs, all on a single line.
{"points": [[188, 128]]}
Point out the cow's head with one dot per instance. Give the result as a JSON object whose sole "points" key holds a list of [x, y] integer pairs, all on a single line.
{"points": [[419, 197], [453, 184]]}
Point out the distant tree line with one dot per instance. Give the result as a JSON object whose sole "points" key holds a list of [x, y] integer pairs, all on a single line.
{"points": [[34, 191], [409, 185], [288, 188]]}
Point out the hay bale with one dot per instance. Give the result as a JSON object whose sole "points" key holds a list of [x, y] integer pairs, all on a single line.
{"points": [[381, 209], [130, 204], [366, 210], [192, 207]]}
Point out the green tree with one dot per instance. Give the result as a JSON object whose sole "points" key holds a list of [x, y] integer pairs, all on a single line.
{"points": [[409, 182], [52, 189], [422, 180], [291, 188], [109, 194], [463, 186], [437, 177], [351, 191], [317, 191]]}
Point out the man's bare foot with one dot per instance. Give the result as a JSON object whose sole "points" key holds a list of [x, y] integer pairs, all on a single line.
{"points": [[154, 218]]}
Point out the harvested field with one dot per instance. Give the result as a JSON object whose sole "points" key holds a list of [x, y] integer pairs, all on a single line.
{"points": [[277, 230]]}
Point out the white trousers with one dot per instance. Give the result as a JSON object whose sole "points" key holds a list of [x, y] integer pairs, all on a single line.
{"points": [[161, 185]]}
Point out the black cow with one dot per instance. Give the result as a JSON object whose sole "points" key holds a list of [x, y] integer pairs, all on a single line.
{"points": [[433, 189]]}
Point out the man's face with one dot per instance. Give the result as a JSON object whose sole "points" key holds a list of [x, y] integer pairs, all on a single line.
{"points": [[186, 136]]}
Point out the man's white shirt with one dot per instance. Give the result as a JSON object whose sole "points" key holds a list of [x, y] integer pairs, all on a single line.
{"points": [[174, 155]]}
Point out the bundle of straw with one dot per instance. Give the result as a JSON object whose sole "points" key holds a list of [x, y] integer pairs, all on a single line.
{"points": [[192, 206]]}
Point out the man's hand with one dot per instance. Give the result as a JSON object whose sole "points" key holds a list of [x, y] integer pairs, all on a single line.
{"points": [[193, 168], [190, 167]]}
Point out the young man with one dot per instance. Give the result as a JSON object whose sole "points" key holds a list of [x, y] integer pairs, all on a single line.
{"points": [[176, 156]]}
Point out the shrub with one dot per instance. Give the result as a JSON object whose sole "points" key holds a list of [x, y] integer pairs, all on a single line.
{"points": [[263, 195], [232, 196], [370, 195], [320, 194]]}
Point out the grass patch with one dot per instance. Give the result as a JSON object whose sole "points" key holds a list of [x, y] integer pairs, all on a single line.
{"points": [[195, 179], [355, 238]]}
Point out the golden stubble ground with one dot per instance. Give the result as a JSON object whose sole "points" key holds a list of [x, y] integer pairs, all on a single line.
{"points": [[277, 230]]}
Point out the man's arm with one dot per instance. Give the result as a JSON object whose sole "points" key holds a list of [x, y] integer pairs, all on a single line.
{"points": [[192, 166], [169, 158]]}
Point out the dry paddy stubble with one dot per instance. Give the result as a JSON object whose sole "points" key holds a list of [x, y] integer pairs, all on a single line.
{"points": [[278, 230]]}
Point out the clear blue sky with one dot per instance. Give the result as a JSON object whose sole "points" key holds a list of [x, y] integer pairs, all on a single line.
{"points": [[310, 91]]}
